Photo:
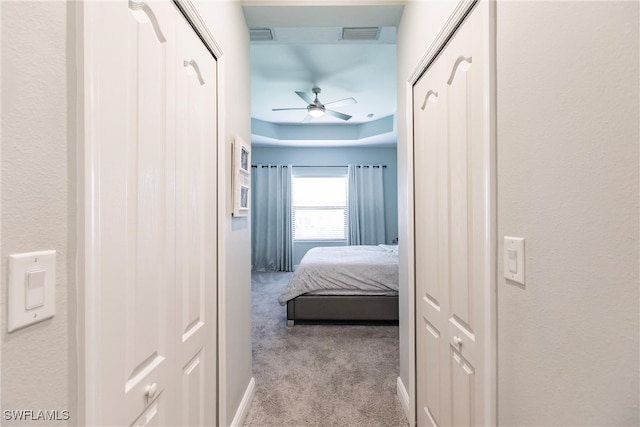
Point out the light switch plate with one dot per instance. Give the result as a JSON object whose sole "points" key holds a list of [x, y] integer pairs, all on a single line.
{"points": [[32, 288], [513, 260]]}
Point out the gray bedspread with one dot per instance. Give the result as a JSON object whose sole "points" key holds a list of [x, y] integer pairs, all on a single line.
{"points": [[345, 270]]}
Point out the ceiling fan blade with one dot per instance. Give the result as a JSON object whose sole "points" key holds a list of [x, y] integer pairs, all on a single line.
{"points": [[340, 103], [287, 109], [307, 119], [305, 97], [338, 115]]}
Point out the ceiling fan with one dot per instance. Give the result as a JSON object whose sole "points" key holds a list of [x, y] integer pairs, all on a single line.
{"points": [[317, 109]]}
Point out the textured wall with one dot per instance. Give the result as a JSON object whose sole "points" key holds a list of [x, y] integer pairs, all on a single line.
{"points": [[226, 22], [34, 193], [568, 183]]}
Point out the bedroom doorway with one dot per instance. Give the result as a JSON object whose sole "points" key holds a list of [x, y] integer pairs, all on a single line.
{"points": [[323, 84]]}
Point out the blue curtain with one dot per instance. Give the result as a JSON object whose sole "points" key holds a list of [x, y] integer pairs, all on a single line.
{"points": [[271, 238], [366, 205]]}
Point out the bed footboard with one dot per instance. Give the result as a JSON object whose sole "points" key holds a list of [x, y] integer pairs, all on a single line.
{"points": [[356, 308]]}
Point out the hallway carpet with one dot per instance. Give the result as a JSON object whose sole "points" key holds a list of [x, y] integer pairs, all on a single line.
{"points": [[319, 375]]}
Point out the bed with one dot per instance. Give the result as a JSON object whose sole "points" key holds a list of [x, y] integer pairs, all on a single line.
{"points": [[344, 283]]}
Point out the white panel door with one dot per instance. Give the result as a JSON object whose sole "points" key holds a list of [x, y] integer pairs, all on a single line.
{"points": [[150, 207], [196, 258], [451, 233], [131, 152]]}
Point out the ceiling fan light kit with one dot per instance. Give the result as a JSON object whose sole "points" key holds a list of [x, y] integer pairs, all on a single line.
{"points": [[316, 109]]}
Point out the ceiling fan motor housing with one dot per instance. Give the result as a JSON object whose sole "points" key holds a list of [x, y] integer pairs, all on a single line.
{"points": [[316, 102]]}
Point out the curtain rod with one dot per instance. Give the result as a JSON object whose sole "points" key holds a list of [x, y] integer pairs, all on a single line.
{"points": [[309, 166]]}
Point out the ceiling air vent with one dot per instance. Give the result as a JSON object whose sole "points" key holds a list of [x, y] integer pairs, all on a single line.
{"points": [[260, 34], [360, 33]]}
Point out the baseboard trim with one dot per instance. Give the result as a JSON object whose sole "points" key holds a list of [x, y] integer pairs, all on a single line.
{"points": [[403, 396], [243, 409]]}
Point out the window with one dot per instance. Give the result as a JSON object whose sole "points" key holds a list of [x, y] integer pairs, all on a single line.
{"points": [[319, 208]]}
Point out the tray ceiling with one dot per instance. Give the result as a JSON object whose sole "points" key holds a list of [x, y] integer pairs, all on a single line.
{"points": [[309, 50]]}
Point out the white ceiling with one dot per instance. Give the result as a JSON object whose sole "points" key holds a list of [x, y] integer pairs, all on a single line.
{"points": [[308, 51]]}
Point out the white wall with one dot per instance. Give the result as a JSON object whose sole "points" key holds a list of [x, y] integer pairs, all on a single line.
{"points": [[226, 23], [421, 22], [568, 182], [36, 195]]}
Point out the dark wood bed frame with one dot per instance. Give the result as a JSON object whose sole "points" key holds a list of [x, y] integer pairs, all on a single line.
{"points": [[347, 308]]}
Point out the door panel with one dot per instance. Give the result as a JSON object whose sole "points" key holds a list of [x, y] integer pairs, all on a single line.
{"points": [[433, 370], [461, 93], [463, 391], [146, 283], [431, 208], [196, 264], [193, 392], [152, 416], [450, 231], [457, 96], [134, 144]]}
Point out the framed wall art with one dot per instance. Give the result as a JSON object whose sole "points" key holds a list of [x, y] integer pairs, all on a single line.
{"points": [[241, 178]]}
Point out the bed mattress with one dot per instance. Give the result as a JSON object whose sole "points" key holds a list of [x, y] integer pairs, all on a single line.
{"points": [[345, 270]]}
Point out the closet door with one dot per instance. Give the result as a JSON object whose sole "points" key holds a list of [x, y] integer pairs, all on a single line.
{"points": [[451, 230], [196, 257], [129, 200], [150, 215]]}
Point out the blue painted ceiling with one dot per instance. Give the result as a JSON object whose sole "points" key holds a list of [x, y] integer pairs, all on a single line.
{"points": [[308, 51]]}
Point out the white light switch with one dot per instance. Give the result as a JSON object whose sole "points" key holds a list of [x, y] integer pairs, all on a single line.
{"points": [[32, 288], [514, 259]]}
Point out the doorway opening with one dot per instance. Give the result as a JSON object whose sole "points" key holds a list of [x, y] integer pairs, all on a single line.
{"points": [[323, 85]]}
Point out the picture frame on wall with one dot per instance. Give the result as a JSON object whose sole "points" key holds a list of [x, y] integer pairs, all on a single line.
{"points": [[244, 197], [241, 178], [244, 160]]}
